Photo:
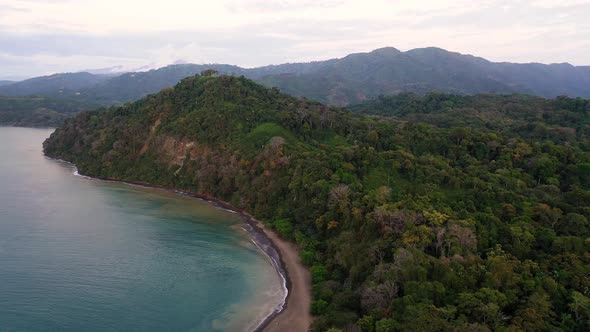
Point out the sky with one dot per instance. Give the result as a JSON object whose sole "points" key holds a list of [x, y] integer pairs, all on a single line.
{"points": [[41, 37]]}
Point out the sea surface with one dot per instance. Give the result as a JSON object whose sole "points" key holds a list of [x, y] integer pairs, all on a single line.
{"points": [[78, 254]]}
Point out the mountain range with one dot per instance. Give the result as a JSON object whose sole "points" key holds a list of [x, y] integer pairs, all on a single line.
{"points": [[348, 80], [53, 85]]}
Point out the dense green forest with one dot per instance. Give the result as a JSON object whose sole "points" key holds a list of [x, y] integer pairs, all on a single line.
{"points": [[425, 213], [38, 111]]}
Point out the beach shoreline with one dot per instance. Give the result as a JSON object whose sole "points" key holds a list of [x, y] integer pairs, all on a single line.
{"points": [[293, 314]]}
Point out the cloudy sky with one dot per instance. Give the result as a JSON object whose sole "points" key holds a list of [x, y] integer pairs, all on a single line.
{"points": [[39, 37]]}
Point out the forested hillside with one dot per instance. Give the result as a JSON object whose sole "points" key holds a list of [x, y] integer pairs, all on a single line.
{"points": [[442, 213], [361, 76], [38, 111], [55, 86], [524, 115]]}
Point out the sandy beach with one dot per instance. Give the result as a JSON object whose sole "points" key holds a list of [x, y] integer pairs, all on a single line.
{"points": [[295, 316]]}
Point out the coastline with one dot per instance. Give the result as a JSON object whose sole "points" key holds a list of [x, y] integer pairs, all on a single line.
{"points": [[293, 314]]}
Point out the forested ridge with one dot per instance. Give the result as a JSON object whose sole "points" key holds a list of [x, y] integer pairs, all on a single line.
{"points": [[39, 111], [348, 80], [414, 213]]}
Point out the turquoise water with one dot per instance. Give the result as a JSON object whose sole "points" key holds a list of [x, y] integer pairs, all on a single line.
{"points": [[78, 254]]}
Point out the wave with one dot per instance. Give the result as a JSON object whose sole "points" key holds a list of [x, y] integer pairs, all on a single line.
{"points": [[267, 248]]}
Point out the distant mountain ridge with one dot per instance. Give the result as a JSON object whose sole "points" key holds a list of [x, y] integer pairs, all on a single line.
{"points": [[348, 80], [39, 111], [389, 71], [53, 85]]}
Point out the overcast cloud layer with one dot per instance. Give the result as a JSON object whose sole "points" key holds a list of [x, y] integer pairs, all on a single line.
{"points": [[39, 37]]}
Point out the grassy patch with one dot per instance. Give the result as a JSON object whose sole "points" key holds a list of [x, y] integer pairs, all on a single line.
{"points": [[261, 135]]}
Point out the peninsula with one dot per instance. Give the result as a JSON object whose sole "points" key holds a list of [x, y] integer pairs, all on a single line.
{"points": [[412, 212]]}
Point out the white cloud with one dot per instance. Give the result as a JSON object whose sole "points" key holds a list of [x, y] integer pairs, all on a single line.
{"points": [[13, 67], [93, 33]]}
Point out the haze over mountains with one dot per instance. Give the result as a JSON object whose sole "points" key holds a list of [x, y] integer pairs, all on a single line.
{"points": [[349, 80], [53, 85]]}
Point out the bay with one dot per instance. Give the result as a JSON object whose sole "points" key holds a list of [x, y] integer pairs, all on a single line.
{"points": [[78, 254]]}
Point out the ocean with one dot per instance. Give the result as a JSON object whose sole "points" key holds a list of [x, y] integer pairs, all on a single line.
{"points": [[79, 254]]}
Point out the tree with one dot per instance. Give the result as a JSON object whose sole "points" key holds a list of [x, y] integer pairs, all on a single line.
{"points": [[209, 72], [318, 273], [284, 228], [485, 306], [319, 307], [574, 224], [537, 313], [547, 215], [386, 325], [580, 305], [367, 324], [544, 167]]}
